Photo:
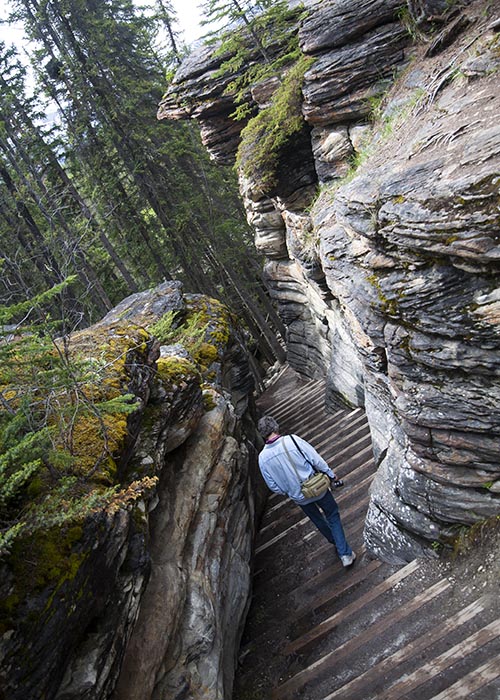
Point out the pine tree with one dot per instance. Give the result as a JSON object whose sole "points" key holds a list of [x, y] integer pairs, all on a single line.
{"points": [[148, 203], [39, 189]]}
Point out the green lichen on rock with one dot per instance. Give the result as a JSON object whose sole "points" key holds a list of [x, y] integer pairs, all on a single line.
{"points": [[43, 562], [175, 370], [203, 330], [73, 469], [169, 368], [216, 318], [388, 305]]}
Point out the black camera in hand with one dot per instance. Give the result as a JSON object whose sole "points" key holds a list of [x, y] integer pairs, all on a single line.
{"points": [[337, 483]]}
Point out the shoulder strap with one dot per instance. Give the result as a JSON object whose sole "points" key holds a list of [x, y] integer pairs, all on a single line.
{"points": [[291, 460], [303, 455]]}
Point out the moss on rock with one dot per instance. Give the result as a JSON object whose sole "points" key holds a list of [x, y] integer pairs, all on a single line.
{"points": [[172, 370], [46, 560]]}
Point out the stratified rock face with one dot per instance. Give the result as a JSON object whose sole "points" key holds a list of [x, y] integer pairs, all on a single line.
{"points": [[186, 638], [388, 281], [148, 599], [426, 10]]}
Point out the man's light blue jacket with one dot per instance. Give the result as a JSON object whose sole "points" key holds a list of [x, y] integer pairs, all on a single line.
{"points": [[280, 475]]}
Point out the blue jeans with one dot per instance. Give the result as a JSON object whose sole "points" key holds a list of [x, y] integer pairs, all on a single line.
{"points": [[328, 524]]}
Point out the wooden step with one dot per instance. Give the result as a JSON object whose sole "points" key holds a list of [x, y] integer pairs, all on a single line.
{"points": [[472, 682], [298, 394], [333, 659], [286, 579], [361, 685], [358, 444], [327, 625], [308, 411], [340, 431], [317, 431], [352, 462], [288, 407], [426, 672], [293, 604], [331, 593]]}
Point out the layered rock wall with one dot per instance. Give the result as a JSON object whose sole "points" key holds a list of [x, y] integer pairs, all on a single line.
{"points": [[388, 280]]}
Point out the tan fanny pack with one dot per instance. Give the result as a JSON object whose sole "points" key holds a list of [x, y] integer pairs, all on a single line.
{"points": [[314, 486]]}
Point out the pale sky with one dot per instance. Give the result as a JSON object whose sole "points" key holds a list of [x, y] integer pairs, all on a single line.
{"points": [[188, 16]]}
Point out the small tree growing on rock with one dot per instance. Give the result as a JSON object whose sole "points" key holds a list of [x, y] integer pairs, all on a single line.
{"points": [[256, 40], [62, 419]]}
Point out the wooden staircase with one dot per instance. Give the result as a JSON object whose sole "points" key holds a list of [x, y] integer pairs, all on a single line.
{"points": [[318, 631]]}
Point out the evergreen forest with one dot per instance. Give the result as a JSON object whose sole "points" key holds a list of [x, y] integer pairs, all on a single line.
{"points": [[94, 187], [100, 200]]}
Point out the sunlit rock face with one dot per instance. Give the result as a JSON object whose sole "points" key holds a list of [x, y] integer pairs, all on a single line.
{"points": [[388, 280], [148, 598]]}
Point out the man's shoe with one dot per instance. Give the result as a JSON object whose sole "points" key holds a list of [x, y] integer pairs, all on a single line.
{"points": [[348, 559]]}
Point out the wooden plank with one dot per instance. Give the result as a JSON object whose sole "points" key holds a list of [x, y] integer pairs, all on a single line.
{"points": [[321, 549], [360, 686], [337, 457], [441, 663], [345, 651], [326, 626], [305, 390], [339, 435], [359, 426], [473, 681], [276, 505], [311, 556], [358, 575], [343, 425], [353, 448], [351, 487], [342, 421], [324, 423], [277, 538], [279, 520], [314, 394], [286, 605], [311, 417], [366, 454]]}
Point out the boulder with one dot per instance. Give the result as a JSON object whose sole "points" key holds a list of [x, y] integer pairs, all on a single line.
{"points": [[131, 596]]}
